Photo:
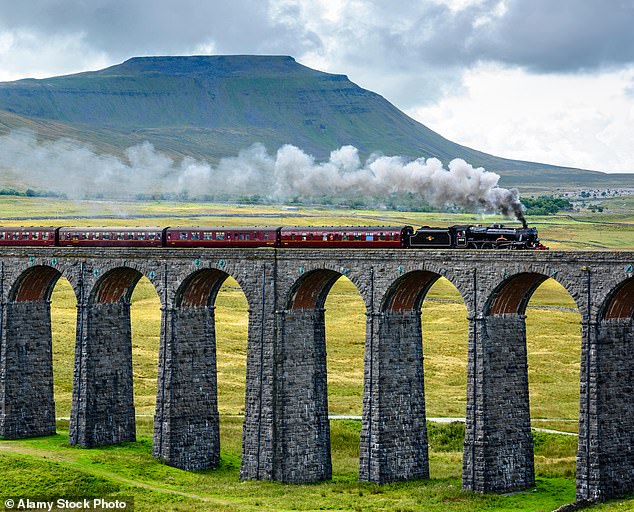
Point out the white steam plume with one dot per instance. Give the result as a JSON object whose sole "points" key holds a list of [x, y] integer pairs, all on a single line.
{"points": [[75, 169]]}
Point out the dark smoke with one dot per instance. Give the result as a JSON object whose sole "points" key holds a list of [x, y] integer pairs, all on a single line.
{"points": [[75, 169]]}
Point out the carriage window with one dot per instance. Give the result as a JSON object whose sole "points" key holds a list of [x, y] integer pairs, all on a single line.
{"points": [[45, 235], [119, 236], [266, 236], [344, 236], [369, 237], [182, 235], [35, 236], [106, 236], [196, 236], [84, 236], [220, 236], [241, 236], [324, 237], [208, 235], [247, 236], [1, 235]]}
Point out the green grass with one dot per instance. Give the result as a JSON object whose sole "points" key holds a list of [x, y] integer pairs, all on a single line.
{"points": [[48, 466]]}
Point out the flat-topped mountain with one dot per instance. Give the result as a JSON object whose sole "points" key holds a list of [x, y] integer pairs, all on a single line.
{"points": [[211, 107]]}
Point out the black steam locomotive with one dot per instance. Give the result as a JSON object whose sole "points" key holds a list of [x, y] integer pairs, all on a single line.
{"points": [[496, 236]]}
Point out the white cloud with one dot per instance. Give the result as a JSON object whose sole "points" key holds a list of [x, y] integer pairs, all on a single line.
{"points": [[570, 120], [25, 54]]}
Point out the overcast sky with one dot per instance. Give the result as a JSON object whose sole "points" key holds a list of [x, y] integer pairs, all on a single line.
{"points": [[542, 80]]}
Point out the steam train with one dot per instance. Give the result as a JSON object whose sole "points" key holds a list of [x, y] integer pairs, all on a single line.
{"points": [[495, 236]]}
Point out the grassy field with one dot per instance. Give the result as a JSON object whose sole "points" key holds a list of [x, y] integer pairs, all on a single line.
{"points": [[613, 229], [48, 467]]}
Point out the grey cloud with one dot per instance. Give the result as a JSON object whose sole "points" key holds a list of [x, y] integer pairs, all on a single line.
{"points": [[567, 35], [539, 35], [121, 28], [395, 38]]}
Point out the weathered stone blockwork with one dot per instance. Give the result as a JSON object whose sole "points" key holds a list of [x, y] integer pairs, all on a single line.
{"points": [[607, 412], [103, 400], [498, 453], [285, 432], [186, 425], [394, 431], [28, 408], [301, 399]]}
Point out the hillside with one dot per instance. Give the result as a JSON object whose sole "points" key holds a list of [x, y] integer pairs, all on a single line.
{"points": [[211, 107]]}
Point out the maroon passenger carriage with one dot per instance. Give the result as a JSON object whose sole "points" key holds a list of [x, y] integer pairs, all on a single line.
{"points": [[34, 235], [111, 237], [222, 236], [346, 236]]}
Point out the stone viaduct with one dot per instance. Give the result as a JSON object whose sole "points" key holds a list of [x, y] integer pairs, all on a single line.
{"points": [[286, 428]]}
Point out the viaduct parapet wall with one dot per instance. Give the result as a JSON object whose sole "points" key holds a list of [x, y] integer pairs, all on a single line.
{"points": [[286, 433]]}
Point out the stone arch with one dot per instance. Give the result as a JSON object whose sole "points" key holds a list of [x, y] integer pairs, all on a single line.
{"points": [[619, 304], [102, 410], [186, 425], [302, 453], [27, 385], [498, 368], [408, 291], [311, 290], [394, 442], [35, 284], [116, 285], [512, 296], [200, 288]]}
